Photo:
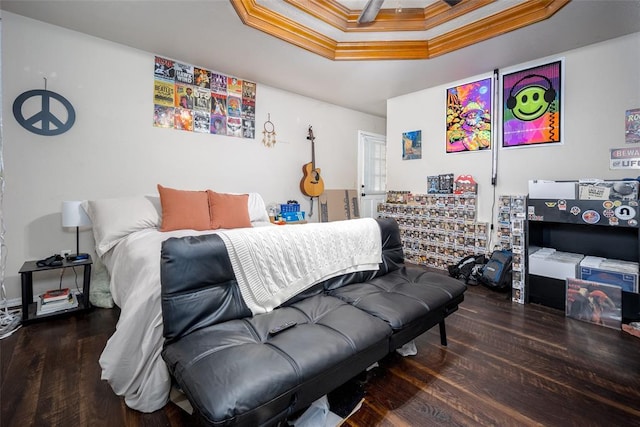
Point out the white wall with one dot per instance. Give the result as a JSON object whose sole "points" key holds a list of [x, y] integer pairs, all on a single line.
{"points": [[113, 149], [601, 83]]}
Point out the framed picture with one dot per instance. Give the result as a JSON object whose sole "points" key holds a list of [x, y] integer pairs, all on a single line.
{"points": [[594, 302], [532, 106], [632, 126], [469, 117], [412, 145]]}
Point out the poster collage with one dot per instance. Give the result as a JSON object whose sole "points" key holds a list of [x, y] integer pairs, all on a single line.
{"points": [[194, 99]]}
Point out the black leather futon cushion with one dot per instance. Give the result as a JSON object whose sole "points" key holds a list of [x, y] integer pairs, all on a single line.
{"points": [[237, 370], [410, 299]]}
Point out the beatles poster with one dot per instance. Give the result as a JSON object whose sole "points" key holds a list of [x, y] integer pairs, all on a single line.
{"points": [[469, 117], [163, 93], [194, 99], [532, 106]]}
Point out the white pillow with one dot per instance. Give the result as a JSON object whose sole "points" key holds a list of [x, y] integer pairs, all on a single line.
{"points": [[114, 219], [257, 208]]}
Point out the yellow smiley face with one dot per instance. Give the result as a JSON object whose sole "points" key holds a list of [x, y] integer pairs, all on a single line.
{"points": [[530, 103]]}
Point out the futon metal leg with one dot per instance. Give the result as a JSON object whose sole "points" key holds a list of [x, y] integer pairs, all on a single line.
{"points": [[443, 334]]}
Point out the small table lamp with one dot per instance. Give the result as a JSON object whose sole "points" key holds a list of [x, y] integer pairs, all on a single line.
{"points": [[73, 215]]}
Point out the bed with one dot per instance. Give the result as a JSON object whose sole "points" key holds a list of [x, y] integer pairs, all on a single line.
{"points": [[128, 242]]}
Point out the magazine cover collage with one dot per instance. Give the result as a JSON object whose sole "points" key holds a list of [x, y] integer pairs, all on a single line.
{"points": [[194, 99]]}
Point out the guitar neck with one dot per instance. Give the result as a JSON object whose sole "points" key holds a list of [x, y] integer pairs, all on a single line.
{"points": [[313, 155]]}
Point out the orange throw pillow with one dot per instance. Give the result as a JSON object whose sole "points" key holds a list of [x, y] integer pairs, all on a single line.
{"points": [[228, 210], [184, 210]]}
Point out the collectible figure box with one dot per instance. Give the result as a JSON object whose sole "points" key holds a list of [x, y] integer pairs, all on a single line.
{"points": [[293, 216]]}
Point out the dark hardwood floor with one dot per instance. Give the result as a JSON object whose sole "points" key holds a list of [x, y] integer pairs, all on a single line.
{"points": [[505, 365]]}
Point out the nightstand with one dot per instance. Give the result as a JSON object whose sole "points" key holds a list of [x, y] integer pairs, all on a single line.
{"points": [[29, 307]]}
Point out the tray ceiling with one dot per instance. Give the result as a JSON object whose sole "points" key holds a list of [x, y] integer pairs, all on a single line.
{"points": [[210, 34], [406, 30]]}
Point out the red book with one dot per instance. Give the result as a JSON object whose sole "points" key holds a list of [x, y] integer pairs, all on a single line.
{"points": [[56, 295]]}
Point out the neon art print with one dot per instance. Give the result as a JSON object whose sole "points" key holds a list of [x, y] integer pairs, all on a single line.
{"points": [[469, 117], [531, 110]]}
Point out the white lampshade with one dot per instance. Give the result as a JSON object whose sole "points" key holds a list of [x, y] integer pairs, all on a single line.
{"points": [[73, 215]]}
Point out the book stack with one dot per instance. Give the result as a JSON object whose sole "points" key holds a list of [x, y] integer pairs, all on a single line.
{"points": [[56, 300]]}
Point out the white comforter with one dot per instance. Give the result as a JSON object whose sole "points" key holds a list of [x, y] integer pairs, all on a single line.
{"points": [[131, 361]]}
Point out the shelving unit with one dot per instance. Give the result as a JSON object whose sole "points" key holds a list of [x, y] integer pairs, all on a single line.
{"points": [[438, 229], [29, 307], [510, 233], [565, 228]]}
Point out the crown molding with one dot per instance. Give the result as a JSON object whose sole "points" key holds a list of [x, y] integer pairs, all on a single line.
{"points": [[264, 19], [388, 20]]}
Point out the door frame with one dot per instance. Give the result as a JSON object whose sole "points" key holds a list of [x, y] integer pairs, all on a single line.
{"points": [[362, 136]]}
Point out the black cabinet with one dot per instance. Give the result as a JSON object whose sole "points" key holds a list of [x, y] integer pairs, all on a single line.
{"points": [[586, 227]]}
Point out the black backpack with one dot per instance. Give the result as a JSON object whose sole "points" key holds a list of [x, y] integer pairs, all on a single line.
{"points": [[466, 267], [496, 274]]}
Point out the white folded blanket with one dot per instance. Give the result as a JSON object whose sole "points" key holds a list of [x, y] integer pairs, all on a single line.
{"points": [[272, 264]]}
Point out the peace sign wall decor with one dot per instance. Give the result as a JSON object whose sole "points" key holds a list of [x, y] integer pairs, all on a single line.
{"points": [[44, 122]]}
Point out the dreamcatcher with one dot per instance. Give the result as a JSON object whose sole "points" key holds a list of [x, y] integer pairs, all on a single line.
{"points": [[269, 133]]}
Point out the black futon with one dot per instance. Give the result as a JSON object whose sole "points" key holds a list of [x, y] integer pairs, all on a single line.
{"points": [[235, 372]]}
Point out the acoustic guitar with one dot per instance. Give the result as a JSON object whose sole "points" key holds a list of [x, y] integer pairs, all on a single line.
{"points": [[311, 184]]}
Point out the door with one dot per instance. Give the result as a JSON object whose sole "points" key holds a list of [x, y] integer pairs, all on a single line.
{"points": [[372, 172]]}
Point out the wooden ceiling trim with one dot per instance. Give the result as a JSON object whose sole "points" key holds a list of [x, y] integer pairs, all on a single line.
{"points": [[267, 21], [352, 51], [388, 20], [439, 13], [500, 23], [409, 19], [270, 22], [330, 12]]}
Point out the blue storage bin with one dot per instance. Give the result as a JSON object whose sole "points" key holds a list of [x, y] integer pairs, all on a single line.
{"points": [[292, 216]]}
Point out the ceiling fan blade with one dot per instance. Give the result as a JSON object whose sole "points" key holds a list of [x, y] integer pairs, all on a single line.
{"points": [[370, 11], [452, 2]]}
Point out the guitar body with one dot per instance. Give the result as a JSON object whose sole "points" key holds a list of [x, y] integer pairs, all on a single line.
{"points": [[311, 184]]}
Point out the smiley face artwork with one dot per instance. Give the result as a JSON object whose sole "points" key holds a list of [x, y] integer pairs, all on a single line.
{"points": [[532, 106], [531, 102]]}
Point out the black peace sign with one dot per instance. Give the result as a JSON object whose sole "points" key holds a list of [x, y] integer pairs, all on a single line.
{"points": [[50, 124]]}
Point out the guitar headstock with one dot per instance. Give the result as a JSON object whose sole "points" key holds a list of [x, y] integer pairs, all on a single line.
{"points": [[310, 136]]}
